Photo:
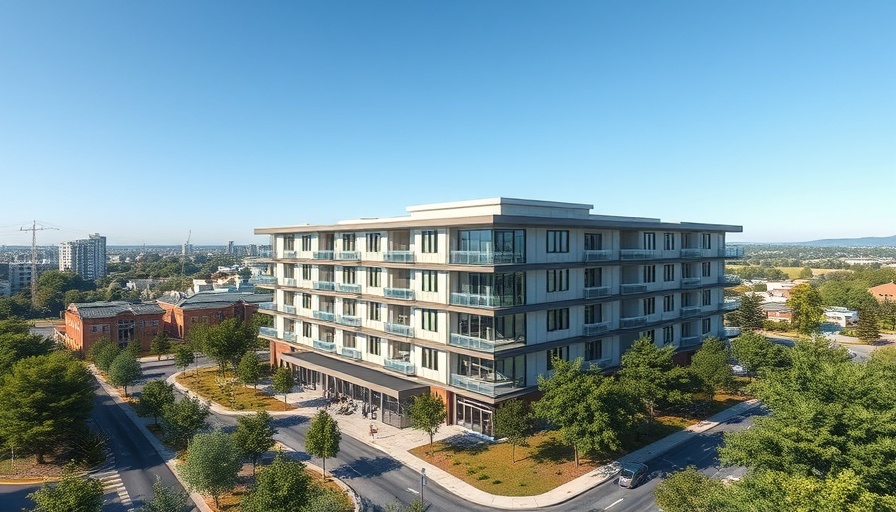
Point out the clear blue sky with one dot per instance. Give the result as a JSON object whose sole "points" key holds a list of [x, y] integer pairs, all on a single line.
{"points": [[144, 120]]}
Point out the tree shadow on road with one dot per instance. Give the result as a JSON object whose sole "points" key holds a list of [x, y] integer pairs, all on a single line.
{"points": [[366, 467]]}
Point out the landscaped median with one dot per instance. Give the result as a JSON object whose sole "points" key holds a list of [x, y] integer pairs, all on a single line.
{"points": [[228, 392]]}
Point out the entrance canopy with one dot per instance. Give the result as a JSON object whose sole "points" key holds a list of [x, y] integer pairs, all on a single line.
{"points": [[357, 374]]}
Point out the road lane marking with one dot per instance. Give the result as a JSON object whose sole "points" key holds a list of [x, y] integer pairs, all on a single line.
{"points": [[617, 502], [413, 491]]}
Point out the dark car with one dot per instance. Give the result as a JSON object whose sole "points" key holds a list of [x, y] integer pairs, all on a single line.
{"points": [[632, 474]]}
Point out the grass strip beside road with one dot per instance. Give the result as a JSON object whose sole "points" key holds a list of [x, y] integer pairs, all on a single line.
{"points": [[210, 385]]}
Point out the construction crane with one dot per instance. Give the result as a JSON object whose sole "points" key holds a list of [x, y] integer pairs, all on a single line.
{"points": [[34, 229], [184, 251]]}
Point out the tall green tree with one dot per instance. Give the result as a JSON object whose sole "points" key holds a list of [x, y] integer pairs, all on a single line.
{"points": [[183, 356], [805, 273], [757, 354], [228, 341], [212, 464], [73, 493], [42, 400], [650, 375], [513, 421], [749, 316], [124, 371], [17, 343], [104, 355], [160, 345], [283, 382], [427, 413], [182, 420], [51, 288], [254, 436], [323, 438], [868, 329], [806, 308], [166, 499], [249, 370], [710, 365], [280, 487], [154, 396], [689, 491]]}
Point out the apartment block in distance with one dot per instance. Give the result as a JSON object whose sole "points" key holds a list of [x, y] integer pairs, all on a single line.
{"points": [[87, 258], [471, 300]]}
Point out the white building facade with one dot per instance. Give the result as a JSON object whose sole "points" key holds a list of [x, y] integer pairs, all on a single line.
{"points": [[87, 258], [471, 300]]}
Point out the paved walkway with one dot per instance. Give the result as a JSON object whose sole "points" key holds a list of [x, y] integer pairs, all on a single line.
{"points": [[396, 443]]}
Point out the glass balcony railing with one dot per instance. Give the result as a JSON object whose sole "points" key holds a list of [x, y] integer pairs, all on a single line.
{"points": [[472, 299], [348, 288], [637, 254], [690, 341], [398, 293], [595, 292], [730, 280], [731, 332], [691, 253], [288, 281], [399, 256], [322, 255], [352, 321], [486, 258], [268, 306], [324, 315], [689, 311], [351, 353], [598, 255], [289, 336], [326, 346], [691, 282], [289, 254], [633, 321], [600, 363], [289, 310], [400, 329], [400, 366], [730, 304], [348, 255], [628, 289], [732, 252], [267, 331], [263, 280], [329, 286], [482, 386], [474, 343], [595, 329]]}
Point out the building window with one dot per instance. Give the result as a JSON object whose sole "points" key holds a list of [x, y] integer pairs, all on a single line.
{"points": [[373, 311], [306, 329], [348, 340], [707, 268], [429, 320], [594, 241], [430, 241], [707, 297], [155, 323], [430, 281], [306, 242], [594, 277], [558, 319], [707, 240], [650, 241], [373, 242], [668, 303], [350, 307], [373, 345], [558, 241], [650, 335], [557, 353], [558, 280], [686, 271], [306, 300], [650, 305], [649, 273], [707, 325], [348, 242], [348, 275], [306, 272], [594, 314], [502, 328], [594, 350], [668, 241], [94, 328], [430, 358], [668, 334], [374, 277], [668, 273], [289, 243]]}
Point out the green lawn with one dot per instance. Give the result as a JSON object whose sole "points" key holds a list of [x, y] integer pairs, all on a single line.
{"points": [[244, 398]]}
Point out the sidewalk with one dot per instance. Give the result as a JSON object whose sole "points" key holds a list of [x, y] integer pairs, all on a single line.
{"points": [[396, 443]]}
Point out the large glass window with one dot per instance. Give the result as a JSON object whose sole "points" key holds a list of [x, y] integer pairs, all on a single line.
{"points": [[502, 328], [506, 245], [510, 369], [558, 241], [594, 241], [508, 288]]}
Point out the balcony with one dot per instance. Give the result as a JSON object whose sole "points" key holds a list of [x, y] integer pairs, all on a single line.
{"points": [[597, 255], [351, 353], [601, 363], [479, 301], [268, 306], [732, 252], [399, 329], [637, 254], [263, 280], [398, 293], [689, 311], [288, 281], [348, 288], [289, 336], [486, 258], [289, 310], [730, 304], [628, 289], [322, 255], [289, 254], [691, 282], [691, 253], [731, 332], [596, 292], [326, 346], [328, 286], [595, 329], [267, 331], [324, 315], [399, 256], [690, 341], [351, 321], [397, 365], [483, 387], [473, 343], [730, 280], [348, 255], [632, 322]]}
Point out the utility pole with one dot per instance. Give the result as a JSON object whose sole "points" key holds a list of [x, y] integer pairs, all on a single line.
{"points": [[34, 229]]}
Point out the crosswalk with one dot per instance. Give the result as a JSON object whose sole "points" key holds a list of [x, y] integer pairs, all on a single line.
{"points": [[111, 480]]}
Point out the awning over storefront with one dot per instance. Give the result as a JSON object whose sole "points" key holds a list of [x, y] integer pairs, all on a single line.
{"points": [[356, 374]]}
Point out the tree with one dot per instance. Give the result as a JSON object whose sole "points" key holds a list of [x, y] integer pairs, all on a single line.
{"points": [[166, 499], [183, 356], [249, 369], [323, 438], [228, 341], [17, 343], [650, 375], [283, 382], [104, 355], [124, 371], [805, 273], [806, 308], [710, 365], [868, 329], [181, 420], [254, 435], [427, 413], [154, 396], [71, 494], [749, 315], [513, 420], [688, 491], [757, 354], [212, 464], [280, 487], [160, 345], [42, 400]]}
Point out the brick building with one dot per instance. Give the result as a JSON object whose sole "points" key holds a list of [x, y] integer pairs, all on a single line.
{"points": [[211, 308], [118, 321]]}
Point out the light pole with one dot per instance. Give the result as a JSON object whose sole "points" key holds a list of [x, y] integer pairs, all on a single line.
{"points": [[422, 484]]}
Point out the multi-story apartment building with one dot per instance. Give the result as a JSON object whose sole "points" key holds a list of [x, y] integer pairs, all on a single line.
{"points": [[472, 300], [87, 258]]}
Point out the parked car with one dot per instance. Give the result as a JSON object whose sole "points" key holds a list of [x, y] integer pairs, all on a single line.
{"points": [[632, 474]]}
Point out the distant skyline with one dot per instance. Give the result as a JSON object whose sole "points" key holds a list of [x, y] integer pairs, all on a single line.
{"points": [[145, 121]]}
